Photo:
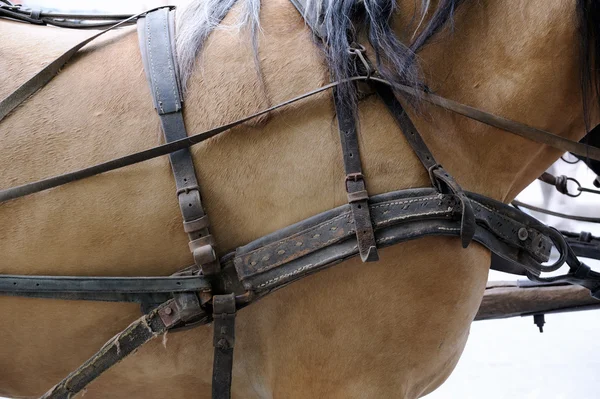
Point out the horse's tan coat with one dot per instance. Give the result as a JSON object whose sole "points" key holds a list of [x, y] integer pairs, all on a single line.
{"points": [[391, 329]]}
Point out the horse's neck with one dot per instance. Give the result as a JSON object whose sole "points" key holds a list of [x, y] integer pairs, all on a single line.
{"points": [[511, 59], [481, 64]]}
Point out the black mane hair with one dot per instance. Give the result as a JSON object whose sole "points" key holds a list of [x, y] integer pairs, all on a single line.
{"points": [[345, 20]]}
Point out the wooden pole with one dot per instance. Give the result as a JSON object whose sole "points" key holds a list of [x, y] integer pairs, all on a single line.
{"points": [[504, 299]]}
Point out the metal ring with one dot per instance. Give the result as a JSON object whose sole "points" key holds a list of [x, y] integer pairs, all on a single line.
{"points": [[570, 162], [561, 246], [578, 188]]}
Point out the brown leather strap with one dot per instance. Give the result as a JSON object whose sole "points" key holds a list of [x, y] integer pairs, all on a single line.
{"points": [[440, 179], [151, 153], [20, 13], [589, 219], [355, 181]]}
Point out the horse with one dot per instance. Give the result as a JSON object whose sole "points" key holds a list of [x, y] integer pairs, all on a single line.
{"points": [[395, 328]]}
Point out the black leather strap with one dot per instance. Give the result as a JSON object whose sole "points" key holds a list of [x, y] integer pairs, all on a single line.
{"points": [[355, 181], [439, 177], [123, 285], [155, 33], [223, 341]]}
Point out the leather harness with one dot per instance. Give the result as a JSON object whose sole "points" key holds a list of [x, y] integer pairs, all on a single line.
{"points": [[213, 288]]}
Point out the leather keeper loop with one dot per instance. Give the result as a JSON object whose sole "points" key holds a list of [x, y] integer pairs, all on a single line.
{"points": [[204, 255], [196, 224], [358, 196], [200, 242]]}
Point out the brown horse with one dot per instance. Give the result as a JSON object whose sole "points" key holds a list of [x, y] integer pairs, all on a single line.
{"points": [[395, 328]]}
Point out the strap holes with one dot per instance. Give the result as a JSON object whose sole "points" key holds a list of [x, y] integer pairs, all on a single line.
{"points": [[359, 206], [179, 283], [189, 204], [14, 283], [37, 284], [185, 180], [351, 155]]}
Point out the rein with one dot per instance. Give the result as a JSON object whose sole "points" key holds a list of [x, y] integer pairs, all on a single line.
{"points": [[487, 118]]}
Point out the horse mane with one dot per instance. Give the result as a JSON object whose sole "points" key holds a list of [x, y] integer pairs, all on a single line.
{"points": [[343, 21]]}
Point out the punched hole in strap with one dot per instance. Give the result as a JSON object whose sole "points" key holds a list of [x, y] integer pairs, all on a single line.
{"points": [[224, 311]]}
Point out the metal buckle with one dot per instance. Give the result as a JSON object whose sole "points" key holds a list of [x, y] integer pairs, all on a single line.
{"points": [[353, 177], [187, 190]]}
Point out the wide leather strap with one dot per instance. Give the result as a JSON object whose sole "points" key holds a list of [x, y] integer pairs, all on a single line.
{"points": [[156, 35]]}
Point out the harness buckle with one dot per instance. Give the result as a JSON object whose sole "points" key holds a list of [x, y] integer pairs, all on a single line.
{"points": [[187, 190], [355, 177]]}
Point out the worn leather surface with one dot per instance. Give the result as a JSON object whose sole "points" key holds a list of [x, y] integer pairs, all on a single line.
{"points": [[155, 33], [355, 181], [327, 238]]}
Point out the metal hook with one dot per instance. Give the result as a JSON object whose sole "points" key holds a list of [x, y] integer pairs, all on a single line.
{"points": [[359, 50]]}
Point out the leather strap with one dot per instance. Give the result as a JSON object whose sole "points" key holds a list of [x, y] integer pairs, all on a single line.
{"points": [[355, 181], [223, 341], [437, 173], [584, 244], [151, 153], [157, 322], [589, 219], [38, 17], [155, 152], [156, 36], [122, 285]]}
